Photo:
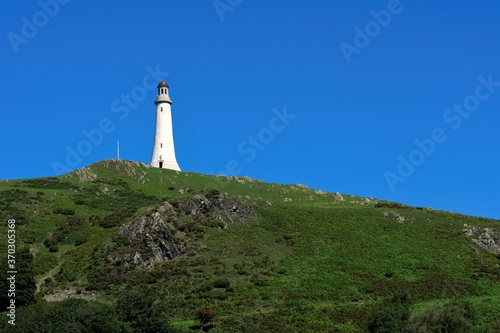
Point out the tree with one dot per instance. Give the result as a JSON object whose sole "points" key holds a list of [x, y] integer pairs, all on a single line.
{"points": [[143, 311], [206, 315], [390, 315], [25, 286]]}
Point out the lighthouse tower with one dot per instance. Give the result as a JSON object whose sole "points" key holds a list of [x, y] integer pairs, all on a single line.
{"points": [[163, 149]]}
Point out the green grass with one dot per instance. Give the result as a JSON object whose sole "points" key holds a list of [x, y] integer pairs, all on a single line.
{"points": [[312, 264]]}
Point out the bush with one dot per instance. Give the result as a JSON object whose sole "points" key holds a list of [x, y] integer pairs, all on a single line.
{"points": [[53, 238], [496, 327], [64, 211], [72, 315], [387, 204], [456, 317], [206, 315], [143, 311], [25, 281], [117, 218], [53, 248], [390, 315], [80, 240], [222, 283], [213, 194], [95, 220]]}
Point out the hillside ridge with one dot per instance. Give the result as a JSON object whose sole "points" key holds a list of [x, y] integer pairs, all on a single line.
{"points": [[264, 257]]}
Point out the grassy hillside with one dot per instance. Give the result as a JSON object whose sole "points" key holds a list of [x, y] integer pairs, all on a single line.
{"points": [[310, 262]]}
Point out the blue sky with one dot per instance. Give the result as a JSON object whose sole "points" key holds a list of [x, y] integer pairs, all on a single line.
{"points": [[397, 100]]}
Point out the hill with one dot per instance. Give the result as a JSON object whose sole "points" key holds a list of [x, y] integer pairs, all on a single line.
{"points": [[239, 255]]}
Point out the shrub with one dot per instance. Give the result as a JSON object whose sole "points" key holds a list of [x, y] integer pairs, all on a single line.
{"points": [[206, 315], [390, 315], [71, 315], [496, 327], [80, 240], [75, 221], [456, 317], [53, 238], [213, 194], [64, 211], [53, 248], [387, 204], [117, 218], [222, 283], [141, 309], [95, 219], [25, 282]]}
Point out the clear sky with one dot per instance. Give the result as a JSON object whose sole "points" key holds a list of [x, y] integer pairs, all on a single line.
{"points": [[396, 100]]}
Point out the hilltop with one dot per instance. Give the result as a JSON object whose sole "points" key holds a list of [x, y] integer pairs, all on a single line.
{"points": [[264, 257]]}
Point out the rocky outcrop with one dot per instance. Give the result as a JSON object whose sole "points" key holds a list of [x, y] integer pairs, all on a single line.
{"points": [[398, 217], [487, 238], [337, 196], [160, 232], [394, 216], [84, 175]]}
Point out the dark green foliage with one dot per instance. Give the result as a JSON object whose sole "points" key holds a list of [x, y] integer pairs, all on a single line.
{"points": [[205, 315], [141, 308], [15, 195], [106, 276], [13, 204], [390, 315], [24, 279], [64, 211], [212, 194], [118, 217], [73, 315], [47, 183], [95, 220], [25, 282], [53, 248], [496, 327], [222, 283], [79, 240], [387, 204], [456, 317], [54, 238]]}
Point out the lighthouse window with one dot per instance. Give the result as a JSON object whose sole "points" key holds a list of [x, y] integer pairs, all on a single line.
{"points": [[161, 145], [161, 109]]}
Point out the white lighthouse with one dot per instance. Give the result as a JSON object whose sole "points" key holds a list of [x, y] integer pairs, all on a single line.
{"points": [[163, 149]]}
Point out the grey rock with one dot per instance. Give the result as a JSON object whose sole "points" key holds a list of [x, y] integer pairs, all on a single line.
{"points": [[394, 216], [337, 196], [486, 238], [159, 233]]}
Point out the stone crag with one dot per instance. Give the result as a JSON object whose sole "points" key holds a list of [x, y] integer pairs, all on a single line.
{"points": [[160, 233], [486, 238]]}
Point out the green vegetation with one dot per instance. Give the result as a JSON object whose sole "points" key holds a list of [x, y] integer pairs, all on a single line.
{"points": [[309, 263], [73, 315]]}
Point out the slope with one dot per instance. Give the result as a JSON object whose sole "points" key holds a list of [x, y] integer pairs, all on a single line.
{"points": [[310, 261]]}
